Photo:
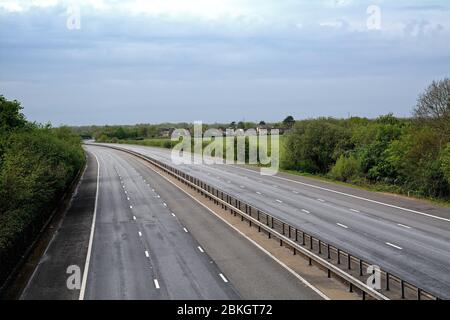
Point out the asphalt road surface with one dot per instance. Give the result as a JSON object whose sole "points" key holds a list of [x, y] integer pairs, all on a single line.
{"points": [[409, 238], [151, 241]]}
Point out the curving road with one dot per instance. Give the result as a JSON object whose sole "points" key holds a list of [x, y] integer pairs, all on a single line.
{"points": [[406, 237], [149, 240]]}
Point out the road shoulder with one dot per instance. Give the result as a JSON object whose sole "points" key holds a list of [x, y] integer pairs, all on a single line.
{"points": [[69, 244]]}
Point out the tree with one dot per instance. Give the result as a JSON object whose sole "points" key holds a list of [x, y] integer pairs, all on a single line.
{"points": [[10, 115], [433, 107], [289, 121], [262, 123]]}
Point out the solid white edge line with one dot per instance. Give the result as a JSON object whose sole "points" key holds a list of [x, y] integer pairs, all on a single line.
{"points": [[155, 281], [305, 211], [91, 237], [147, 254], [404, 226], [223, 278], [354, 210], [140, 234], [394, 246], [185, 230], [279, 201], [356, 197], [295, 274], [201, 249]]}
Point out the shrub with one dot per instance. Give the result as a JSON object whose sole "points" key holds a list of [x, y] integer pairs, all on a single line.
{"points": [[346, 169]]}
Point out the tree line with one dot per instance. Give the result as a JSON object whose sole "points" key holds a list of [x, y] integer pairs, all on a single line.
{"points": [[401, 155], [37, 164]]}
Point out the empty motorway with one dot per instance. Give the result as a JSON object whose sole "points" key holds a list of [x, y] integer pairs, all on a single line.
{"points": [[146, 239], [406, 237]]}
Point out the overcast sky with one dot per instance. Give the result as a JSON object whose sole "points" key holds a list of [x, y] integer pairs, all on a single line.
{"points": [[136, 61]]}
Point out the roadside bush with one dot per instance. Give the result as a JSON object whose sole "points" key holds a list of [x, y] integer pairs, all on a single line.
{"points": [[37, 165], [346, 169]]}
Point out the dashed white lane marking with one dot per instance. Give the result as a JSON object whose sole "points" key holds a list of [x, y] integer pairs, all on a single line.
{"points": [[200, 249], [354, 210], [305, 211], [257, 192], [242, 187], [146, 254], [158, 196], [404, 226], [185, 230], [123, 187], [155, 281], [293, 191], [164, 204], [126, 192], [128, 198], [131, 207], [173, 214], [228, 181], [140, 234], [153, 190], [342, 225], [321, 200], [394, 246], [279, 201], [353, 196], [223, 278], [134, 217], [304, 281]]}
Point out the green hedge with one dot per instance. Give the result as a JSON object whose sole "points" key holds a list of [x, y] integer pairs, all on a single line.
{"points": [[37, 164]]}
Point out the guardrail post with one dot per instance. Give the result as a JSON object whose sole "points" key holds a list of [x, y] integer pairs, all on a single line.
{"points": [[364, 295], [329, 273], [310, 261], [281, 242], [289, 231], [320, 247], [310, 242], [350, 289], [402, 286], [360, 268], [328, 251], [349, 265], [387, 281], [419, 293], [338, 256], [303, 238], [296, 235], [283, 227], [272, 222]]}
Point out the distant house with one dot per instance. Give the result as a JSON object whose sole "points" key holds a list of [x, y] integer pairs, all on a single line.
{"points": [[166, 132]]}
